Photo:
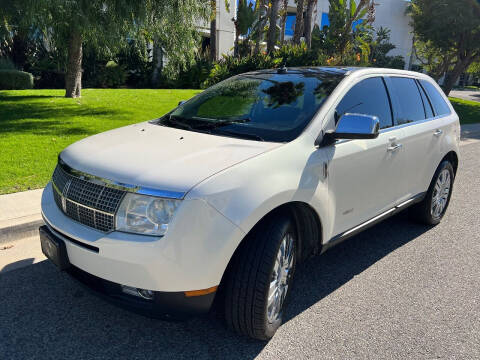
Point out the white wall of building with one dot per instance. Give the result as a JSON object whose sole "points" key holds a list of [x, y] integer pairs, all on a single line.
{"points": [[390, 14], [225, 27]]}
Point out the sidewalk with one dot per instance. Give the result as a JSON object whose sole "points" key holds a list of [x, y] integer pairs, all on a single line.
{"points": [[20, 212], [470, 132], [19, 215]]}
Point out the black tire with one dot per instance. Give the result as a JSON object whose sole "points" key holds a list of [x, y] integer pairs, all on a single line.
{"points": [[247, 287], [421, 212]]}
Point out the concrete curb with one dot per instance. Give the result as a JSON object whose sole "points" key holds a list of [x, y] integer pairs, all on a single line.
{"points": [[20, 231]]}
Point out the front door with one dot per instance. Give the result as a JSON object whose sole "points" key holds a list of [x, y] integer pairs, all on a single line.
{"points": [[365, 176]]}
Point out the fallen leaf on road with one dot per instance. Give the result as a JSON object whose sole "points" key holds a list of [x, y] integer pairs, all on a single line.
{"points": [[6, 247]]}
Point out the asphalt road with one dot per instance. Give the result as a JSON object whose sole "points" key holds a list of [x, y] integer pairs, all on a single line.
{"points": [[472, 95], [398, 290]]}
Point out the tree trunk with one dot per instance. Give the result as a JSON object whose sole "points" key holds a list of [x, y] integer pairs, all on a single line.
{"points": [[73, 77], [283, 22], [272, 28], [308, 22], [157, 61], [213, 40], [213, 31], [261, 26], [235, 44], [453, 76], [298, 22]]}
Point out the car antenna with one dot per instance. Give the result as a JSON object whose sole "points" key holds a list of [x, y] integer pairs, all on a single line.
{"points": [[283, 69]]}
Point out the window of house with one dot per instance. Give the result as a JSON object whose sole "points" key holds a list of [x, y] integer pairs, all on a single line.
{"points": [[290, 24]]}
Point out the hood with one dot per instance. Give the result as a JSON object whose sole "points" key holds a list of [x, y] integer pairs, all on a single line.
{"points": [[159, 157]]}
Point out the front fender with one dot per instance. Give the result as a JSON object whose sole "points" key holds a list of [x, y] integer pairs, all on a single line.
{"points": [[248, 191]]}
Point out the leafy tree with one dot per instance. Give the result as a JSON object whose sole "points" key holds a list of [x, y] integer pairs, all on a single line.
{"points": [[243, 22], [433, 59], [380, 46], [474, 69], [342, 17], [106, 24], [449, 31]]}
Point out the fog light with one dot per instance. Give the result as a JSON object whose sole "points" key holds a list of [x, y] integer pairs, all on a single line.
{"points": [[146, 294], [143, 293]]}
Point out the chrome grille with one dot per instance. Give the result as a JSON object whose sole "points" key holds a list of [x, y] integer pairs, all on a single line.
{"points": [[89, 203]]}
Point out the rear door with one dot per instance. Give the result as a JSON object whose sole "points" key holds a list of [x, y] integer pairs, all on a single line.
{"points": [[363, 175], [422, 136]]}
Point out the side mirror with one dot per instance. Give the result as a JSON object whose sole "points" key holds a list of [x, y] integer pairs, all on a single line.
{"points": [[353, 126], [182, 102]]}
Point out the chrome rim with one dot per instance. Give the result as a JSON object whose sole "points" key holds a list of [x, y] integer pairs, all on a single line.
{"points": [[440, 193], [281, 276]]}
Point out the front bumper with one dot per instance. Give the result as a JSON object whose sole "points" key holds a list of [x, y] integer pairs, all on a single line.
{"points": [[166, 305], [193, 255]]}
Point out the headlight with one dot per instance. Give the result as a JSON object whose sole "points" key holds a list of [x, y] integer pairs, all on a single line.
{"points": [[144, 214]]}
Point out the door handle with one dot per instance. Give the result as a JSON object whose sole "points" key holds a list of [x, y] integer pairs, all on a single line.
{"points": [[394, 147], [438, 132]]}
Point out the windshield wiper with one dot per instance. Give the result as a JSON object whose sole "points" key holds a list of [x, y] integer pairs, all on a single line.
{"points": [[210, 124], [247, 136], [174, 121]]}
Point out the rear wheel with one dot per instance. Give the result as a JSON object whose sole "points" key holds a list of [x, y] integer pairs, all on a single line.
{"points": [[431, 210], [260, 279]]}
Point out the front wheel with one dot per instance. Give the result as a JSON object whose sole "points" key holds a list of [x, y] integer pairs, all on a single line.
{"points": [[261, 278], [432, 208]]}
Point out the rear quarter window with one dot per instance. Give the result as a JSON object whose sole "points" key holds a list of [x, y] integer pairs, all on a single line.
{"points": [[438, 102]]}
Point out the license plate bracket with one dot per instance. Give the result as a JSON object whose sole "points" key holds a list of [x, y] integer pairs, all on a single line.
{"points": [[54, 248]]}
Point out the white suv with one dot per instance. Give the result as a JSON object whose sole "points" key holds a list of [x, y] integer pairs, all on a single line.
{"points": [[225, 194]]}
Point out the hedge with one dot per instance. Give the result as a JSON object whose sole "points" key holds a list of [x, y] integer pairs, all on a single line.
{"points": [[14, 79]]}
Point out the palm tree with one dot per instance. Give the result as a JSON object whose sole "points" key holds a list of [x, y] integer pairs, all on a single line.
{"points": [[299, 22], [213, 30], [259, 25], [283, 21], [311, 6], [272, 28]]}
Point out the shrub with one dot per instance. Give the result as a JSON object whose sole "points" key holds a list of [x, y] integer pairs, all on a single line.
{"points": [[288, 55], [6, 64], [47, 73], [14, 80], [195, 74], [112, 75]]}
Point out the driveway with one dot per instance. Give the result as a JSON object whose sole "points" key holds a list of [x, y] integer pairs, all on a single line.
{"points": [[399, 290], [472, 95]]}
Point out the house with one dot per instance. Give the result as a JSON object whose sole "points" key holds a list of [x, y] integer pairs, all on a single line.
{"points": [[389, 14]]}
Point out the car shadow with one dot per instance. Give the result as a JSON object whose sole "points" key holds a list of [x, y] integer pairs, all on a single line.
{"points": [[44, 313]]}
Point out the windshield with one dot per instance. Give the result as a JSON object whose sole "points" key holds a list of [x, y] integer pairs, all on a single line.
{"points": [[263, 106]]}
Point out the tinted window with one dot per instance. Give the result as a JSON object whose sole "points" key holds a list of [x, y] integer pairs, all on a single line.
{"points": [[426, 103], [260, 106], [409, 102], [368, 97], [438, 103]]}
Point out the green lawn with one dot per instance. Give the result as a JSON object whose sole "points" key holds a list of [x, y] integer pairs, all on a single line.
{"points": [[35, 125], [468, 111]]}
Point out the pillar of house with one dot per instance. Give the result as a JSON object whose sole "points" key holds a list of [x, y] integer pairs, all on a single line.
{"points": [[225, 27]]}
